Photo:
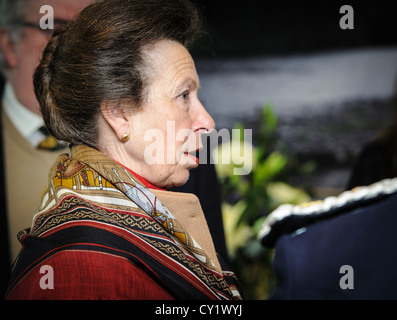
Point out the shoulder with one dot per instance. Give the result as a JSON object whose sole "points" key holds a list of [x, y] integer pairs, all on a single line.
{"points": [[88, 275], [288, 219]]}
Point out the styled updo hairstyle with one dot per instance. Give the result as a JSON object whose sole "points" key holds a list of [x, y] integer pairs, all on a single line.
{"points": [[99, 57]]}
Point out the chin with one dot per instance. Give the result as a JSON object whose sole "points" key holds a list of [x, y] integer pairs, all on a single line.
{"points": [[180, 180]]}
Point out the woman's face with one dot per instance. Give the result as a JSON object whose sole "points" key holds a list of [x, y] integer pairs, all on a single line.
{"points": [[165, 132]]}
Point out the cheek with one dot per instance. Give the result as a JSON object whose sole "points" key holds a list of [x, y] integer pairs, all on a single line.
{"points": [[151, 146], [161, 135], [31, 50], [27, 61], [175, 130], [180, 139]]}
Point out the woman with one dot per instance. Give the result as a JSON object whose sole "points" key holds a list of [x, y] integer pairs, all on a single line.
{"points": [[120, 86]]}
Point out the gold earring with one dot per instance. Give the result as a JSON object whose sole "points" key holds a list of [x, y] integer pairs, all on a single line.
{"points": [[125, 137]]}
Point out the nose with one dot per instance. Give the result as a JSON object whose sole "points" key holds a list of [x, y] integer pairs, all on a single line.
{"points": [[202, 121]]}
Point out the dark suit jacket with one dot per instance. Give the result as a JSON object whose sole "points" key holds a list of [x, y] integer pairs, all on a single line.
{"points": [[363, 236], [376, 161], [203, 182]]}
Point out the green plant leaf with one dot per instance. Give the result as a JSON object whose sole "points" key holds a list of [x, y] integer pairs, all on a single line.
{"points": [[269, 168]]}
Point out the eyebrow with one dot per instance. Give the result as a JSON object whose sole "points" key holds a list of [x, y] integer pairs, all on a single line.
{"points": [[188, 82]]}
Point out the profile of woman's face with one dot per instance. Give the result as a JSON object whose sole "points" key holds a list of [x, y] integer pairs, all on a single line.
{"points": [[165, 132]]}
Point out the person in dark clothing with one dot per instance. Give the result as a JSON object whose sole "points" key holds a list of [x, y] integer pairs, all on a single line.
{"points": [[378, 158], [204, 183], [339, 248]]}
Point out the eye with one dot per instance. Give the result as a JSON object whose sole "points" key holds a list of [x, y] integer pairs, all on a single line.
{"points": [[185, 95]]}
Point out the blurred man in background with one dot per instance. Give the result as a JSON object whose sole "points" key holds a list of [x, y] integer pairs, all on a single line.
{"points": [[26, 149]]}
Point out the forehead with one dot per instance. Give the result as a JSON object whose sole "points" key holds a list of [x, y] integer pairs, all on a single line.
{"points": [[63, 9], [171, 62]]}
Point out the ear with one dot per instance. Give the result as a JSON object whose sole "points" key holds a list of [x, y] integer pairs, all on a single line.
{"points": [[116, 118], [7, 47]]}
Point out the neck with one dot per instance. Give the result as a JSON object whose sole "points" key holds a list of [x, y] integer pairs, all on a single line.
{"points": [[141, 179]]}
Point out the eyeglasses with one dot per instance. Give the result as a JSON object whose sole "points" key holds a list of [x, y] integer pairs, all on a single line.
{"points": [[49, 32]]}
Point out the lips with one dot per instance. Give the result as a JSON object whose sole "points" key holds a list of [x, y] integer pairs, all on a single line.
{"points": [[192, 157], [191, 151]]}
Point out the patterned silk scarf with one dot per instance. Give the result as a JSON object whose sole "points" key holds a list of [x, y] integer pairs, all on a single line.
{"points": [[93, 178]]}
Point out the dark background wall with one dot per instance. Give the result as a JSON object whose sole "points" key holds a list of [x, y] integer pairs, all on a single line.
{"points": [[255, 44], [285, 27]]}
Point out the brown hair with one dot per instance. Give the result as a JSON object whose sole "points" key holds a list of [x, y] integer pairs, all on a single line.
{"points": [[99, 57]]}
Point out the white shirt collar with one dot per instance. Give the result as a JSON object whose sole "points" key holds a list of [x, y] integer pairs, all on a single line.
{"points": [[26, 121]]}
